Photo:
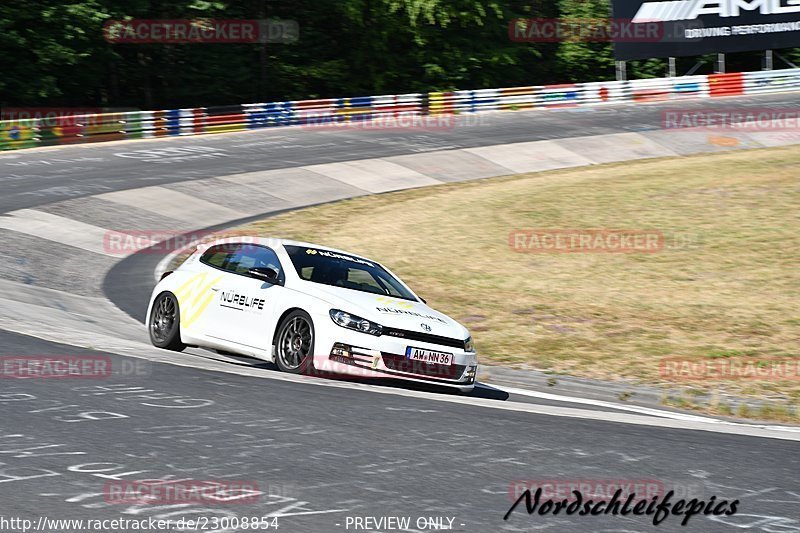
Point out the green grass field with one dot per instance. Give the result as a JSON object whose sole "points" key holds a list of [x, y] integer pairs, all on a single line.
{"points": [[725, 284]]}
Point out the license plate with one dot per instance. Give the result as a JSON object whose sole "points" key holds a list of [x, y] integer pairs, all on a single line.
{"points": [[429, 356]]}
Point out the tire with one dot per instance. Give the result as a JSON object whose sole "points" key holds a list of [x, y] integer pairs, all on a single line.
{"points": [[164, 324], [294, 344]]}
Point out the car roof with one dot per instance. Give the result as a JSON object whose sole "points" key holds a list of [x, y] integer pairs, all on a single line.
{"points": [[274, 242]]}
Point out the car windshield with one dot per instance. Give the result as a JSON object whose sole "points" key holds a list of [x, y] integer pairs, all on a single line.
{"points": [[346, 271]]}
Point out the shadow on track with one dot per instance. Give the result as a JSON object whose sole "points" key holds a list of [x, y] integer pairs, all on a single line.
{"points": [[481, 390]]}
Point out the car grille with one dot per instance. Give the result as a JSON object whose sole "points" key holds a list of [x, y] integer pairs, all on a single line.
{"points": [[400, 363], [424, 337]]}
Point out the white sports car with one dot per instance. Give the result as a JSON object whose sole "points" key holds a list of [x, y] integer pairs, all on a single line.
{"points": [[309, 309]]}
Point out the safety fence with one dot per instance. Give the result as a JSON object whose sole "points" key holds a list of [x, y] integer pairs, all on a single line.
{"points": [[331, 112]]}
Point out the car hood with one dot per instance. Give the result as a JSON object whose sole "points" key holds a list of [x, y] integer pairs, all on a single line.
{"points": [[391, 312]]}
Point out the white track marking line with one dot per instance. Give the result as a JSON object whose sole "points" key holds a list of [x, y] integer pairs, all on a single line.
{"points": [[602, 403], [143, 351], [52, 324]]}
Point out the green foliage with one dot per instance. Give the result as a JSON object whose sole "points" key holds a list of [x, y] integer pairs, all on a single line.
{"points": [[53, 52]]}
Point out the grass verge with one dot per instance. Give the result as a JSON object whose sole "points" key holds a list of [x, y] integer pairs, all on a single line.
{"points": [[726, 283]]}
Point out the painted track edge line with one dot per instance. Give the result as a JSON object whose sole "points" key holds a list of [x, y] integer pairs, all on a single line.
{"points": [[637, 409], [730, 428]]}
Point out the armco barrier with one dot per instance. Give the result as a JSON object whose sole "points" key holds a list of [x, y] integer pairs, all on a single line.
{"points": [[28, 133]]}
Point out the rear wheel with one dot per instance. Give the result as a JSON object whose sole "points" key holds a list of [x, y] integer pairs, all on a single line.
{"points": [[165, 323], [294, 345]]}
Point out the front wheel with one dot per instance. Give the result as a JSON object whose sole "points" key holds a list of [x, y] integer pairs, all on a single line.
{"points": [[165, 323], [294, 347]]}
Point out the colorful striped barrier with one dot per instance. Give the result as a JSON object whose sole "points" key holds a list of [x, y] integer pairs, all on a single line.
{"points": [[726, 84], [563, 95], [268, 115], [81, 128], [515, 98], [770, 81]]}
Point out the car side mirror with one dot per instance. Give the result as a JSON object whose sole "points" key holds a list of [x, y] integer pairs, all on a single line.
{"points": [[266, 274]]}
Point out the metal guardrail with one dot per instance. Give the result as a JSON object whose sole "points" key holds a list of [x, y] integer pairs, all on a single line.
{"points": [[28, 133]]}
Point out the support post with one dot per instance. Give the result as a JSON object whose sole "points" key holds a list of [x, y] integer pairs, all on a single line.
{"points": [[720, 69], [621, 70], [767, 60], [672, 70]]}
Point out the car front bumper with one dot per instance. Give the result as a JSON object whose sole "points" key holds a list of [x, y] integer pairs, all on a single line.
{"points": [[360, 355]]}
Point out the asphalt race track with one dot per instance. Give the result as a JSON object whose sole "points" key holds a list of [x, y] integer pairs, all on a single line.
{"points": [[31, 178], [324, 454]]}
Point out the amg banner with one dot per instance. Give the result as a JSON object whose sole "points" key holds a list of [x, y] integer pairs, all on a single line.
{"points": [[695, 27]]}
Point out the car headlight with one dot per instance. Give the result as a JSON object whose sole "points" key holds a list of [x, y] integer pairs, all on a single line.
{"points": [[346, 320], [469, 346]]}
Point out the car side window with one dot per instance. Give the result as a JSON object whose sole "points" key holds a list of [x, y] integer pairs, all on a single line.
{"points": [[239, 258], [219, 255], [362, 280], [389, 286], [253, 256]]}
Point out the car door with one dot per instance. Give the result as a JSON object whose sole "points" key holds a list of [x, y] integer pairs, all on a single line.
{"points": [[242, 314], [196, 292]]}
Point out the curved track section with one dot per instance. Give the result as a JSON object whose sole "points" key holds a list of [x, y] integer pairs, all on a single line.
{"points": [[322, 453]]}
